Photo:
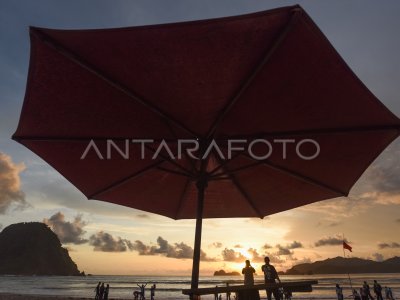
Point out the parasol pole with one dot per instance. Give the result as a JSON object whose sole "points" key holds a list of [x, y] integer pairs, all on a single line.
{"points": [[201, 185]]}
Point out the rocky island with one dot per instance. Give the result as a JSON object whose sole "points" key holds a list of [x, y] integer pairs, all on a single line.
{"points": [[33, 249]]}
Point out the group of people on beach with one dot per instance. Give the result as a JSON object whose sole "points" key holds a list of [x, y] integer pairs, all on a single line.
{"points": [[101, 291], [140, 295], [270, 276], [365, 292]]}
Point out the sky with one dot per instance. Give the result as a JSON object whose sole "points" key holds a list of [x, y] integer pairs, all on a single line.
{"points": [[109, 239]]}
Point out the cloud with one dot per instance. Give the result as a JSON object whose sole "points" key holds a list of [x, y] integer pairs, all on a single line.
{"points": [[238, 246], [378, 256], [232, 255], [294, 245], [267, 246], [256, 257], [274, 259], [67, 232], [343, 207], [10, 184], [164, 248], [397, 221], [329, 224], [304, 260], [382, 179], [143, 216], [105, 242], [216, 245], [392, 245], [285, 250], [330, 241]]}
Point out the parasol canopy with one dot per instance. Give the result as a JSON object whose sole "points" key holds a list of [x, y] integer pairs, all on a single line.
{"points": [[273, 116]]}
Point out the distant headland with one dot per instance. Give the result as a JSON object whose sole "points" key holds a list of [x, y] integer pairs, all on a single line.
{"points": [[223, 273]]}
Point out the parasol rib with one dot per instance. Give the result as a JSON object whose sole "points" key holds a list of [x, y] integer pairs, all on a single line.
{"points": [[243, 87], [182, 198], [123, 180], [287, 171], [317, 131], [241, 190], [107, 78]]}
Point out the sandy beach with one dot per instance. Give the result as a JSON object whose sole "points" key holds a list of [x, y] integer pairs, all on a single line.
{"points": [[6, 296]]}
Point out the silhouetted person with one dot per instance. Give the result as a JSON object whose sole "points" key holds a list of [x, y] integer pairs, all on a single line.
{"points": [[97, 291], [228, 293], [339, 292], [135, 295], [270, 275], [389, 293], [142, 291], [363, 294], [378, 290], [216, 293], [356, 296], [367, 290], [101, 294], [288, 295], [248, 272], [106, 291], [152, 291]]}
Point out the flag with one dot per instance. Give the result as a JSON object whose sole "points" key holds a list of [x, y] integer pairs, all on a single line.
{"points": [[347, 246]]}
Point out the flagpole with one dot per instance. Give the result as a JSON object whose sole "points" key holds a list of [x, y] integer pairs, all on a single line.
{"points": [[348, 274]]}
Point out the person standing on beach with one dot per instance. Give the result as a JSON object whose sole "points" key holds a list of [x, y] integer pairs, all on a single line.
{"points": [[228, 293], [378, 290], [106, 291], [216, 293], [367, 290], [142, 291], [248, 272], [101, 292], [356, 296], [152, 291], [339, 292], [270, 275], [363, 294], [97, 291]]}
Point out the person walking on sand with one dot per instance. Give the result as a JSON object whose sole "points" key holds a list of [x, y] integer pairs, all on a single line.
{"points": [[106, 291], [101, 293], [248, 272], [270, 275], [339, 292], [97, 291], [152, 291], [378, 290], [367, 290]]}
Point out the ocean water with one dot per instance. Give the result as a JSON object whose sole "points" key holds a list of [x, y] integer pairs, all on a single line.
{"points": [[122, 287]]}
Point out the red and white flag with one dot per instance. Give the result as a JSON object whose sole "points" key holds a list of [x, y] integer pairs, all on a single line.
{"points": [[347, 246]]}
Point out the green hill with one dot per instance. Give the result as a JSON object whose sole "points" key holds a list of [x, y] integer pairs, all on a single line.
{"points": [[340, 265]]}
